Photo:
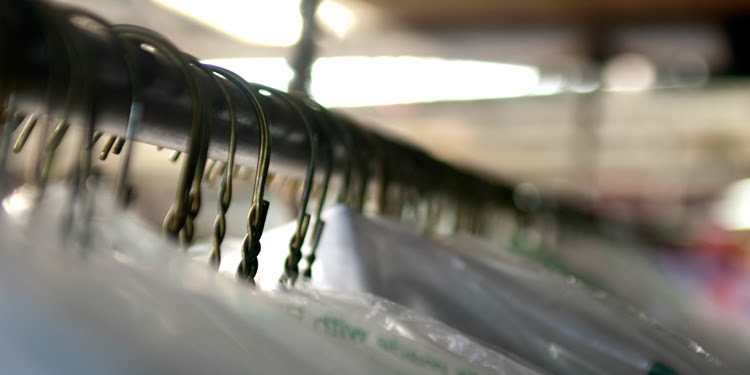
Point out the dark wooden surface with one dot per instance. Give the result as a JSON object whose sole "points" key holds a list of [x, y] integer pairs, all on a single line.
{"points": [[484, 13]]}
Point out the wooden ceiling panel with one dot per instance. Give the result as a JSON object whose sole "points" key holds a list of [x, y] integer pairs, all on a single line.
{"points": [[483, 13]]}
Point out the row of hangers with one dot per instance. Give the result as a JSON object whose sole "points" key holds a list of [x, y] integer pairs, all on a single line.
{"points": [[362, 169], [407, 183]]}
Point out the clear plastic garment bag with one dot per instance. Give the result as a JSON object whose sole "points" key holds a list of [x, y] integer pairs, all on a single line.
{"points": [[507, 302], [126, 302], [86, 288], [359, 317]]}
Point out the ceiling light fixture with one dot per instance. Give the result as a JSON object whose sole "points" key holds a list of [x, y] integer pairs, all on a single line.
{"points": [[264, 22], [361, 81]]}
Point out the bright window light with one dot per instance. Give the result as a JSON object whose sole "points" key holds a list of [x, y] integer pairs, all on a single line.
{"points": [[359, 81], [265, 22]]}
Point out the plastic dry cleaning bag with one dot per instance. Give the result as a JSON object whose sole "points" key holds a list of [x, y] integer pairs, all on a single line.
{"points": [[364, 321], [545, 318], [116, 299]]}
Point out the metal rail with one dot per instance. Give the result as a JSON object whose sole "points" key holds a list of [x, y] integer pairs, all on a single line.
{"points": [[40, 73]]}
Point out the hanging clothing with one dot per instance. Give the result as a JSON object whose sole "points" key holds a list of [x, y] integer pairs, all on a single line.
{"points": [[507, 302], [378, 324], [116, 299]]}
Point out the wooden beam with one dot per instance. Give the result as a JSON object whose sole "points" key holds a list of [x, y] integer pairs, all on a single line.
{"points": [[484, 13]]}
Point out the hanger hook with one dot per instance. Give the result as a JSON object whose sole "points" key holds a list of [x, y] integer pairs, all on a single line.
{"points": [[122, 192], [359, 192], [194, 196], [248, 267], [60, 29], [83, 80], [381, 171], [225, 186], [291, 264], [321, 119], [90, 86], [55, 40], [347, 193], [349, 146], [177, 216]]}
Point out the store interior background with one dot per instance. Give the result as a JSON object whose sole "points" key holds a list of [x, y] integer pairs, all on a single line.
{"points": [[635, 111]]}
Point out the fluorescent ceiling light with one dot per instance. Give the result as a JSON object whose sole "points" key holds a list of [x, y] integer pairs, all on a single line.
{"points": [[629, 72], [359, 81], [335, 17], [366, 81], [732, 211], [266, 22]]}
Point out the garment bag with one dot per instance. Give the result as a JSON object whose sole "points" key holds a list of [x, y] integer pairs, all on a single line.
{"points": [[119, 300], [545, 318], [363, 321]]}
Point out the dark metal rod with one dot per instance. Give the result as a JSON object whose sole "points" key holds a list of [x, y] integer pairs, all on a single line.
{"points": [[40, 74]]}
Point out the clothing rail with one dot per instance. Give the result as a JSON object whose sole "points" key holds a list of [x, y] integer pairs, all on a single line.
{"points": [[40, 72]]}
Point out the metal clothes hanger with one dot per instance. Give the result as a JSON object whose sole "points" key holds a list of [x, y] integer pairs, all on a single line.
{"points": [[225, 186], [79, 210], [177, 217], [89, 86], [389, 185], [322, 120], [371, 163], [420, 195], [404, 167], [360, 195], [381, 173], [291, 264], [258, 212], [349, 147], [194, 196], [360, 168], [80, 74], [29, 121], [123, 190]]}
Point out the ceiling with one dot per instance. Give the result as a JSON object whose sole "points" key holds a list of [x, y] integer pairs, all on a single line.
{"points": [[663, 145], [484, 13]]}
